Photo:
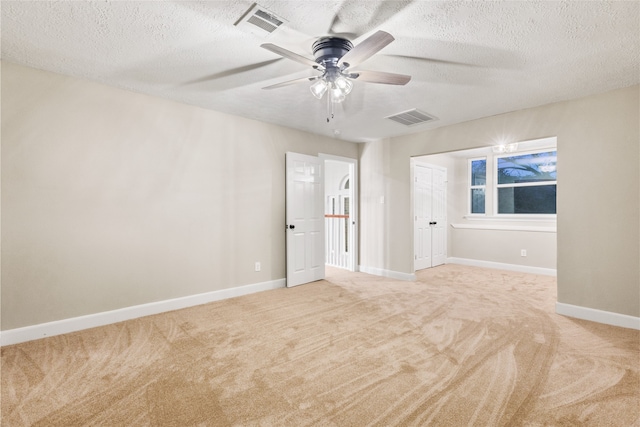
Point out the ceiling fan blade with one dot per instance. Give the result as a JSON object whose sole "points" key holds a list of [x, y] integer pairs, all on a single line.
{"points": [[366, 49], [233, 71], [435, 60], [380, 77], [336, 24], [292, 82], [355, 17], [291, 55]]}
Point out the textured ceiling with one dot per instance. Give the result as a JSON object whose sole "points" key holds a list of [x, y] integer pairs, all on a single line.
{"points": [[468, 59]]}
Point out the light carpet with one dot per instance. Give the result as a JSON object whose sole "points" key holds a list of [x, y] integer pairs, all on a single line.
{"points": [[460, 346]]}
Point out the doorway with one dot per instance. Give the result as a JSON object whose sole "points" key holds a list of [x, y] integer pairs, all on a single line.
{"points": [[316, 220], [340, 210]]}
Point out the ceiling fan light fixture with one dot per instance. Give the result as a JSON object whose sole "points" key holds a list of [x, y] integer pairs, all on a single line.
{"points": [[319, 88], [333, 58], [337, 95], [344, 84]]}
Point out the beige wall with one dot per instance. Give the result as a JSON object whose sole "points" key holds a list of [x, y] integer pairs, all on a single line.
{"points": [[112, 199], [598, 221], [504, 246]]}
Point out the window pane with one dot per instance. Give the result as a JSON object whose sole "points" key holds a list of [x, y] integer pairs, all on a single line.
{"points": [[538, 199], [527, 168], [477, 200], [478, 172]]}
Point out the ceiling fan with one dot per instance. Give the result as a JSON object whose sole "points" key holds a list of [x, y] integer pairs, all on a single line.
{"points": [[335, 58]]}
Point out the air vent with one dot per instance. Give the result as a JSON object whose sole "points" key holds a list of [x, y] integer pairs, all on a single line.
{"points": [[411, 117], [259, 21]]}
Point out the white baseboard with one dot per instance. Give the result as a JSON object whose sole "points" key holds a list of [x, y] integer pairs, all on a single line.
{"points": [[59, 327], [387, 273], [595, 315], [503, 266]]}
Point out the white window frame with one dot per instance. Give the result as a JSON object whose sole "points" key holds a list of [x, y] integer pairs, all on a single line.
{"points": [[497, 186], [471, 187]]}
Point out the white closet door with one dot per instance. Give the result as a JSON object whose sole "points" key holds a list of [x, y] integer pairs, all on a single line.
{"points": [[430, 216], [422, 212]]}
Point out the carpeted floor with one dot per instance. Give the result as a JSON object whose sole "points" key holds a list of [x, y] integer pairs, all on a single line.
{"points": [[461, 346]]}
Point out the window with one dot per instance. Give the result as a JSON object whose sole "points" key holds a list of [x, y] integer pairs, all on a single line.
{"points": [[526, 183], [477, 185], [344, 183]]}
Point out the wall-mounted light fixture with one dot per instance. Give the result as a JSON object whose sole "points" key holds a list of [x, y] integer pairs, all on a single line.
{"points": [[505, 148]]}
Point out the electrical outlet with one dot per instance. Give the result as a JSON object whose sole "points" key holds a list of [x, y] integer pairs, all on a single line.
{"points": [[257, 266], [523, 252]]}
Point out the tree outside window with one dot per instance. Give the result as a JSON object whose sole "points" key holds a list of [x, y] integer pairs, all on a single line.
{"points": [[526, 183], [478, 181]]}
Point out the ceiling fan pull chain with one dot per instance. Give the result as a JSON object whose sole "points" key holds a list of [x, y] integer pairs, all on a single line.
{"points": [[332, 105], [328, 105]]}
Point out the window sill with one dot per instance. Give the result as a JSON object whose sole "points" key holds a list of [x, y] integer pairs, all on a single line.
{"points": [[534, 223], [499, 227], [550, 219]]}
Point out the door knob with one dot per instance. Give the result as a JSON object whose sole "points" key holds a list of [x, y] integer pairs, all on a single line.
{"points": [[292, 226]]}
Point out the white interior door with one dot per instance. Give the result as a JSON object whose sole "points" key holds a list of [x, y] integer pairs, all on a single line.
{"points": [[422, 215], [305, 219], [430, 216]]}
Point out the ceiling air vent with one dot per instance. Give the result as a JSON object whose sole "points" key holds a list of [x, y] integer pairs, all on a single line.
{"points": [[411, 117], [259, 21]]}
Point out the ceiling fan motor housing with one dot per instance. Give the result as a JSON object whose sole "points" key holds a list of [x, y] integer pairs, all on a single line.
{"points": [[330, 49]]}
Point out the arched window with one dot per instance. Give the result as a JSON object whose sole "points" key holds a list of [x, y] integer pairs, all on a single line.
{"points": [[344, 184]]}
